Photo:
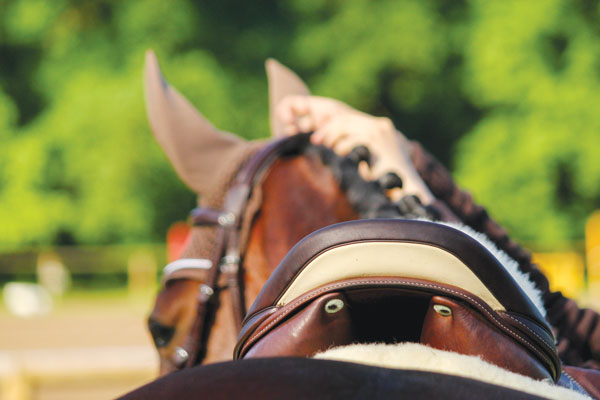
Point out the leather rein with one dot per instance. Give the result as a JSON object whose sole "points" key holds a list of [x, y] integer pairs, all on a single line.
{"points": [[225, 263]]}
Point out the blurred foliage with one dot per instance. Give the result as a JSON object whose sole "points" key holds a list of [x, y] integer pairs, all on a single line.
{"points": [[534, 156], [503, 90]]}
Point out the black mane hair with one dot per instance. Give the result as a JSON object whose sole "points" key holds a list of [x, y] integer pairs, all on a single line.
{"points": [[368, 198]]}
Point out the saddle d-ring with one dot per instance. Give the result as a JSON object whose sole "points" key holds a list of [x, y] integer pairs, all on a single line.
{"points": [[444, 311], [333, 306]]}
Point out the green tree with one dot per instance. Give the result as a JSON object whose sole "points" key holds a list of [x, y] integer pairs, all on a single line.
{"points": [[533, 159], [513, 83]]}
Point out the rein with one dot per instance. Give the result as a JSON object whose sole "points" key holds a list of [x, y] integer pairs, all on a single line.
{"points": [[225, 263]]}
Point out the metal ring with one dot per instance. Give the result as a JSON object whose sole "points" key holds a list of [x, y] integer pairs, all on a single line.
{"points": [[206, 290], [180, 355], [333, 306], [226, 219], [230, 260], [444, 311]]}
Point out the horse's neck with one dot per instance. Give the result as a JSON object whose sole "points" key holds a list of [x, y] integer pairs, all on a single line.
{"points": [[300, 195]]}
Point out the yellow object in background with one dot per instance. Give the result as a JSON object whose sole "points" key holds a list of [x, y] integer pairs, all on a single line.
{"points": [[592, 247], [564, 270]]}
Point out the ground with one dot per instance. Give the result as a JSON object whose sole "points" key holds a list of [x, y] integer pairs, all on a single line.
{"points": [[91, 346]]}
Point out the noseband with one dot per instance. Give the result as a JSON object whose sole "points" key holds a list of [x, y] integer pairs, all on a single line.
{"points": [[224, 269]]}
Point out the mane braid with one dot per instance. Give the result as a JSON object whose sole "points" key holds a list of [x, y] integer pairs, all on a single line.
{"points": [[367, 197]]}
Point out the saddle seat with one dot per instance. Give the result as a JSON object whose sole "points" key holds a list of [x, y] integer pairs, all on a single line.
{"points": [[398, 281]]}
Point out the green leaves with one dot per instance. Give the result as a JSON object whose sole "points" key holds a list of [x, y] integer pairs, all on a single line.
{"points": [[507, 89], [532, 160]]}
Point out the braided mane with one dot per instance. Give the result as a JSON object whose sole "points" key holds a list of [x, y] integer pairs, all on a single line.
{"points": [[367, 197]]}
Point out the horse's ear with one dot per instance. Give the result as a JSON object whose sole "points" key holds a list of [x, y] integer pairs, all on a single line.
{"points": [[192, 144], [282, 82]]}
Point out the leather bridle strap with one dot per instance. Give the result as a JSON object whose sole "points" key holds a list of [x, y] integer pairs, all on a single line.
{"points": [[186, 268], [226, 258]]}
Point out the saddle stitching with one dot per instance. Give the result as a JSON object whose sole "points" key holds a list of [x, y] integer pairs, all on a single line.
{"points": [[527, 328], [574, 382], [378, 240]]}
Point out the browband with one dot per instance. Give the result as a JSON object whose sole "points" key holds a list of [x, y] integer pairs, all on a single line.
{"points": [[191, 263]]}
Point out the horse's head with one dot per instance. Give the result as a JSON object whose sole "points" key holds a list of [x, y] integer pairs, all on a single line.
{"points": [[295, 196]]}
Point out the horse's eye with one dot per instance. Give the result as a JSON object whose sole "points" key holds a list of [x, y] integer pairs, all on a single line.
{"points": [[161, 334]]}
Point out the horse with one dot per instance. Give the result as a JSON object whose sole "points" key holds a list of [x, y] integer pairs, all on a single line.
{"points": [[475, 321], [297, 189], [248, 223]]}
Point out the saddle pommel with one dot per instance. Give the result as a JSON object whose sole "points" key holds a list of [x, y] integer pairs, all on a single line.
{"points": [[398, 281]]}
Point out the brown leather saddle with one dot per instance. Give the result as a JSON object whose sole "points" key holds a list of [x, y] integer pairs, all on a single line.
{"points": [[398, 281]]}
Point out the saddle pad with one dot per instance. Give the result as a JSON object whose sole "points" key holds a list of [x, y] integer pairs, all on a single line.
{"points": [[413, 356], [370, 272]]}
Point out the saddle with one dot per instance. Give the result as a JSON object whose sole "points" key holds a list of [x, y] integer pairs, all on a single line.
{"points": [[390, 281]]}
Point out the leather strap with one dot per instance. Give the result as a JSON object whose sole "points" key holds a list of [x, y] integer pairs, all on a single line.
{"points": [[227, 253], [186, 268]]}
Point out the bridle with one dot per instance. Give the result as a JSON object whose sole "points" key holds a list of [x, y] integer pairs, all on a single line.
{"points": [[224, 268]]}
